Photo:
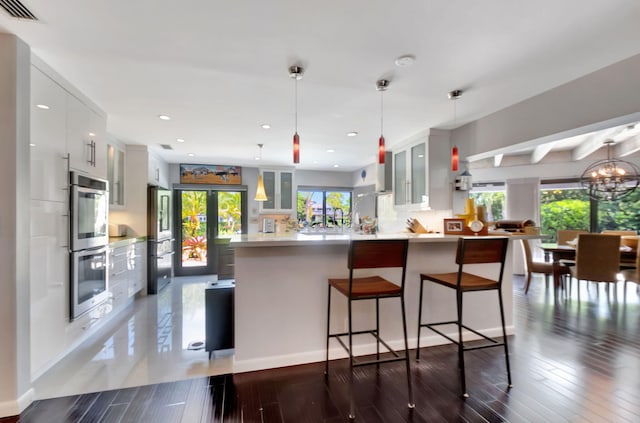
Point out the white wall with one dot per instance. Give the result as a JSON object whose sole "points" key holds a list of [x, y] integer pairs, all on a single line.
{"points": [[15, 62]]}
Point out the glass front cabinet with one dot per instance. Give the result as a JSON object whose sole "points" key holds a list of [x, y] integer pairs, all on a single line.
{"points": [[278, 185]]}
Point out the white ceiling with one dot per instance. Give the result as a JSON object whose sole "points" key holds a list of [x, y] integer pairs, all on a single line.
{"points": [[219, 68]]}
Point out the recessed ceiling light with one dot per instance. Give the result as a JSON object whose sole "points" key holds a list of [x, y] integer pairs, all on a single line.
{"points": [[421, 155], [91, 134], [32, 145], [179, 139], [164, 117], [266, 126], [405, 60], [190, 154], [331, 150], [335, 165], [352, 134], [42, 106]]}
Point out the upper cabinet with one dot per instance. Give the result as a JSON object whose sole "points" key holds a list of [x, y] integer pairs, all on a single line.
{"points": [[49, 178], [421, 173], [86, 143], [410, 176], [278, 185], [115, 174], [158, 171]]}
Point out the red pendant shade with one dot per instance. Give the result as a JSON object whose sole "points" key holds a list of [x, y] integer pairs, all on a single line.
{"points": [[381, 150], [454, 159], [296, 148]]}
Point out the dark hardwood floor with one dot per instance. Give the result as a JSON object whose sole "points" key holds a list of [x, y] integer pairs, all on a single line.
{"points": [[572, 361]]}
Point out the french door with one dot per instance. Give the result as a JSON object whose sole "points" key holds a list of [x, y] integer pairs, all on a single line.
{"points": [[208, 219]]}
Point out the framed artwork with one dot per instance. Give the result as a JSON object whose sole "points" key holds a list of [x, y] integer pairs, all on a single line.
{"points": [[210, 174], [454, 226]]}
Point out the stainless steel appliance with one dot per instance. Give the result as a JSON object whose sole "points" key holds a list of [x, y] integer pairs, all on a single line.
{"points": [[89, 218], [160, 239], [89, 279], [89, 212]]}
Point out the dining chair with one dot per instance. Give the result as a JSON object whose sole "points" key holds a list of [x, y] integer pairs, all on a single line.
{"points": [[632, 275], [470, 251], [363, 255], [597, 259], [621, 233], [565, 236], [625, 262], [534, 266]]}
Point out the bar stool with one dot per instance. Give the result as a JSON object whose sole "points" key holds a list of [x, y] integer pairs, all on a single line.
{"points": [[370, 254], [474, 250]]}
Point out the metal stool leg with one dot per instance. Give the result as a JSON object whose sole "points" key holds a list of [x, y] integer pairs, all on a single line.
{"points": [[352, 412], [463, 382], [419, 320], [326, 363], [406, 353], [504, 335], [378, 330]]}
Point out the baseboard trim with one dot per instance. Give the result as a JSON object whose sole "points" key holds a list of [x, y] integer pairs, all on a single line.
{"points": [[14, 408]]}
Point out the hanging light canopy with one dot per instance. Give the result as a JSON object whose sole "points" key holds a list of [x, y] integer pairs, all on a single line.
{"points": [[610, 179], [454, 95], [261, 194], [381, 86], [296, 73]]}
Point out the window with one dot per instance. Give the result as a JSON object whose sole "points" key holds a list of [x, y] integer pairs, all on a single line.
{"points": [[492, 196], [564, 204], [324, 208]]}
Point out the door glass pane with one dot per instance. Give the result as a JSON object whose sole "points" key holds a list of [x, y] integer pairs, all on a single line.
{"points": [[229, 213], [400, 178], [311, 209], [418, 173], [563, 208], [194, 228], [621, 215]]}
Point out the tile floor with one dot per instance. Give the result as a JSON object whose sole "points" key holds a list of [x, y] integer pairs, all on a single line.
{"points": [[147, 344]]}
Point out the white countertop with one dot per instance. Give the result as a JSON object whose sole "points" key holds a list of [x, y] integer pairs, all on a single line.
{"points": [[317, 238]]}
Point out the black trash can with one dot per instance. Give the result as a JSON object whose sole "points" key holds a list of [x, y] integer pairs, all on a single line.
{"points": [[219, 315]]}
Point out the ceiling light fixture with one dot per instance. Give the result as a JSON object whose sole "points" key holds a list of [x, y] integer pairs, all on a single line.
{"points": [[180, 139], [381, 86], [42, 106], [352, 134], [190, 154], [261, 194], [610, 179], [296, 72], [164, 117], [266, 126], [454, 95]]}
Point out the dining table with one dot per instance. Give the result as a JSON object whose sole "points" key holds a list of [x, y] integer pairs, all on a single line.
{"points": [[558, 253]]}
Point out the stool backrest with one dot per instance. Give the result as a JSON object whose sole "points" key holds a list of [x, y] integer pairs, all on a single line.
{"points": [[375, 253], [481, 250]]}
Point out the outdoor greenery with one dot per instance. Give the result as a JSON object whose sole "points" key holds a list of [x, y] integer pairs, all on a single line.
{"points": [[229, 213], [494, 202], [194, 225], [310, 200]]}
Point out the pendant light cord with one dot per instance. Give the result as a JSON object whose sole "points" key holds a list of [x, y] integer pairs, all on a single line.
{"points": [[381, 113], [296, 104]]}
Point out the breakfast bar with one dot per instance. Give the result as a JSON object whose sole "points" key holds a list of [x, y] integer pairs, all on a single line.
{"points": [[281, 296]]}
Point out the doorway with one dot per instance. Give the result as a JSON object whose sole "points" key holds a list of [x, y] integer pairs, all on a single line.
{"points": [[208, 220]]}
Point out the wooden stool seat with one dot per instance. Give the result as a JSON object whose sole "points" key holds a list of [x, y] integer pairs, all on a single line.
{"points": [[368, 287], [469, 281]]}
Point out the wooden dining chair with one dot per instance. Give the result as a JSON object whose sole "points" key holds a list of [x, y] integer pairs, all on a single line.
{"points": [[621, 233], [565, 236], [534, 266], [597, 259], [625, 262], [632, 275], [363, 255], [476, 250]]}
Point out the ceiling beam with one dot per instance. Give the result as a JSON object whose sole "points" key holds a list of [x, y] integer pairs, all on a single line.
{"points": [[497, 160], [540, 152], [627, 146]]}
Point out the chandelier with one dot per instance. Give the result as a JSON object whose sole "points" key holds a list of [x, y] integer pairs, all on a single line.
{"points": [[610, 179]]}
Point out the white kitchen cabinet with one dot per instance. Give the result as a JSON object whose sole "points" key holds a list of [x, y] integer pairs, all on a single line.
{"points": [[115, 174], [410, 176], [49, 178], [158, 171], [86, 139], [118, 276], [278, 185], [137, 268]]}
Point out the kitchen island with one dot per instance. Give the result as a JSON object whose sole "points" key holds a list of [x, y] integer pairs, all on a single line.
{"points": [[281, 296]]}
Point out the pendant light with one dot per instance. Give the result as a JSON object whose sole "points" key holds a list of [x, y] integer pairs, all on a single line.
{"points": [[610, 179], [454, 95], [381, 86], [296, 73], [261, 194]]}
